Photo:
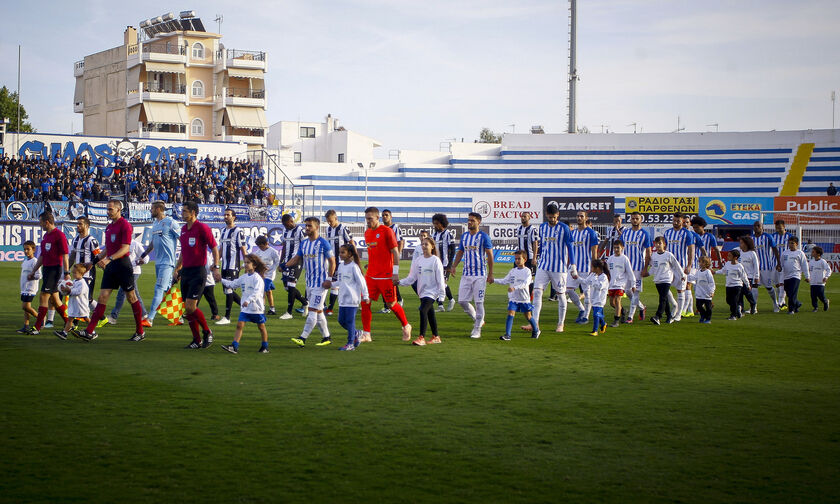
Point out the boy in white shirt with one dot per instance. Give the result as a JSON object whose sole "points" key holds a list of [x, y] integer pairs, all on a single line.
{"points": [[28, 288], [253, 307], [736, 280], [665, 269], [518, 280], [598, 283], [704, 289], [78, 305], [820, 271], [622, 280], [794, 265], [271, 260]]}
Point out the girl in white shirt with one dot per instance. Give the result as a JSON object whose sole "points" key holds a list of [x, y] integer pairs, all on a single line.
{"points": [[352, 288], [598, 283], [518, 281], [28, 288], [820, 271], [749, 260], [622, 280], [427, 271], [253, 307], [704, 282], [794, 264], [736, 279], [665, 269], [78, 305]]}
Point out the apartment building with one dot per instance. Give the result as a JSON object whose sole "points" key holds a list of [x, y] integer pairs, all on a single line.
{"points": [[172, 79]]}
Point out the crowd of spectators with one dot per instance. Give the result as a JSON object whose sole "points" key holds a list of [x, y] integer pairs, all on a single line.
{"points": [[204, 181]]}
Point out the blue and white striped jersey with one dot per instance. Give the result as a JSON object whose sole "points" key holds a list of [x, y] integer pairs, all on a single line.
{"points": [[709, 243], [397, 231], [764, 246], [782, 240], [337, 236], [555, 247], [678, 242], [698, 245], [583, 240], [473, 247], [635, 244], [315, 254], [443, 239]]}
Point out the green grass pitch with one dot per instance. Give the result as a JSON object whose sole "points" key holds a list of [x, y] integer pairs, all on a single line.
{"points": [[745, 411]]}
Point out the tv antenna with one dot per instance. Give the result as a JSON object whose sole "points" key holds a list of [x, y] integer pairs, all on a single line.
{"points": [[634, 126], [219, 19], [716, 125], [679, 128]]}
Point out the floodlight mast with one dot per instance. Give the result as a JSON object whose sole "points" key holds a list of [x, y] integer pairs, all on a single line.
{"points": [[572, 63]]}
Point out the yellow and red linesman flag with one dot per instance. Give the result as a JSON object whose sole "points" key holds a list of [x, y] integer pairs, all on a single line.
{"points": [[172, 306]]}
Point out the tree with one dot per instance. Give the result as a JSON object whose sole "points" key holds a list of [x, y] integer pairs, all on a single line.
{"points": [[8, 109], [487, 136]]}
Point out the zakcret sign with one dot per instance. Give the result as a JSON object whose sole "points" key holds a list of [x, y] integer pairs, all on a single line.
{"points": [[734, 210], [505, 208], [599, 209]]}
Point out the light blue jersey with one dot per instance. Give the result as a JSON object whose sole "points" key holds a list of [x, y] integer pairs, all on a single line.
{"points": [[582, 241], [473, 247], [315, 254], [678, 241], [764, 246], [556, 248], [698, 246], [709, 243], [635, 244], [165, 234], [782, 240]]}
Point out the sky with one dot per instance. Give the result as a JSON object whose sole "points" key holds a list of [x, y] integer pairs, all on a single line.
{"points": [[415, 74]]}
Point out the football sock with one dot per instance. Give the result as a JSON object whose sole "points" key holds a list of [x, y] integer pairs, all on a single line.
{"points": [[235, 345], [576, 300], [137, 308], [367, 315], [538, 294], [51, 314], [479, 315], [400, 313], [562, 308], [199, 317], [311, 320], [98, 313], [194, 326], [322, 325], [42, 314], [333, 297], [62, 311], [468, 308], [533, 324], [509, 324], [263, 344]]}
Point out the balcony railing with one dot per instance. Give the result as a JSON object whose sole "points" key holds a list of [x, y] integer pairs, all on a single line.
{"points": [[240, 54], [164, 128], [79, 66], [165, 49], [244, 132], [245, 93], [154, 87]]}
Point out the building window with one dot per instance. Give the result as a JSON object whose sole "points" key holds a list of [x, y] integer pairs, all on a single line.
{"points": [[198, 89], [307, 132], [197, 127], [297, 157], [198, 51], [341, 158]]}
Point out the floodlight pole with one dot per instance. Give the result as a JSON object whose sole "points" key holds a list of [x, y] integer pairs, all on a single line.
{"points": [[572, 63], [17, 130]]}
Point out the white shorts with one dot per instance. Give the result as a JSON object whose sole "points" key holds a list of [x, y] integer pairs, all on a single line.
{"points": [[767, 278], [315, 298], [692, 271], [334, 290], [639, 280], [780, 279], [574, 283], [557, 279], [472, 288], [679, 284]]}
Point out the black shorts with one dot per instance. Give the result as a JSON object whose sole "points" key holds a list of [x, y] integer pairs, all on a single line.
{"points": [[118, 274], [529, 263], [51, 275], [229, 274], [192, 281], [445, 274], [291, 275], [27, 298]]}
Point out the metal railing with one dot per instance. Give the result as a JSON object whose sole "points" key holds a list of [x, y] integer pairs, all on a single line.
{"points": [[243, 132], [240, 54], [165, 49], [79, 65], [245, 93], [285, 191], [154, 87], [164, 128]]}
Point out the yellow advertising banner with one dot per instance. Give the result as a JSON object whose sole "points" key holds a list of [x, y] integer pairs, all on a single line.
{"points": [[661, 205]]}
